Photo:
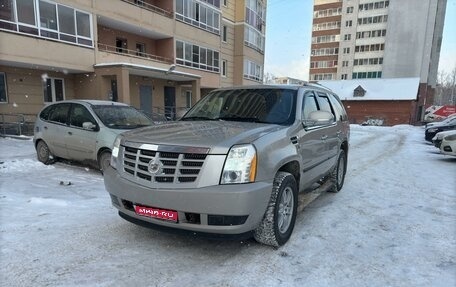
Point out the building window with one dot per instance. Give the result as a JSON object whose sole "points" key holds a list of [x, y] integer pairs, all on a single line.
{"points": [[255, 13], [375, 5], [346, 51], [325, 39], [323, 64], [58, 22], [188, 99], [344, 63], [347, 37], [224, 63], [3, 89], [121, 45], [140, 49], [53, 90], [350, 10], [198, 57], [367, 75], [224, 33], [328, 12], [373, 20], [321, 77], [326, 26], [254, 39], [225, 3], [343, 77], [253, 71], [199, 14], [348, 23]]}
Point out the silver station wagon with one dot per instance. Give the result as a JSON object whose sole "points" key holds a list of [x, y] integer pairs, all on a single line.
{"points": [[83, 130], [234, 164]]}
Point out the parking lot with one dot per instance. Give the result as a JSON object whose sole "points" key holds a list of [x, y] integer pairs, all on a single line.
{"points": [[393, 224]]}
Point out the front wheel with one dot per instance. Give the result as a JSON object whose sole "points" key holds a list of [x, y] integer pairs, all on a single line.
{"points": [[43, 154], [338, 173], [104, 160], [279, 218]]}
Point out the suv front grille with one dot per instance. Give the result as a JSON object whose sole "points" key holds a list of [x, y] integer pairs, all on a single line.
{"points": [[162, 166]]}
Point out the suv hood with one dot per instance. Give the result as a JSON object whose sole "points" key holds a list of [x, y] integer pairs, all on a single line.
{"points": [[219, 136]]}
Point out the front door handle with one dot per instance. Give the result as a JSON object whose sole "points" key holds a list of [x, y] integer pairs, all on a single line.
{"points": [[323, 138], [70, 133]]}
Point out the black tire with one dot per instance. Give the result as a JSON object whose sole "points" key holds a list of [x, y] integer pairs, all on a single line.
{"points": [[338, 174], [279, 218], [43, 153], [104, 159]]}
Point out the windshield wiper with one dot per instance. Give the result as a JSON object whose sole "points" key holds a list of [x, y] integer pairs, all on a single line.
{"points": [[241, 119], [198, 118]]}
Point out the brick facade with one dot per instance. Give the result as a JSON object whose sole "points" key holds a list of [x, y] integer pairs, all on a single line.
{"points": [[390, 112]]}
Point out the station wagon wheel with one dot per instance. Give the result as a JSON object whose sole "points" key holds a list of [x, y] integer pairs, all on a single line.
{"points": [[279, 218], [42, 152], [338, 173], [104, 160]]}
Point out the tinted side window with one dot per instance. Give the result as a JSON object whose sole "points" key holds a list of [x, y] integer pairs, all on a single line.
{"points": [[309, 104], [79, 115], [44, 115], [340, 110], [60, 113], [324, 103]]}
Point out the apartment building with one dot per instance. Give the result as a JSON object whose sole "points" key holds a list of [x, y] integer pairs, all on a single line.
{"points": [[157, 55], [369, 39]]}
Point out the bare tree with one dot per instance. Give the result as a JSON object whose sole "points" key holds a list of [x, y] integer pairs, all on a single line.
{"points": [[446, 88]]}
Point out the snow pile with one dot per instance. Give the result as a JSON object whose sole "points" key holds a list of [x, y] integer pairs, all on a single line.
{"points": [[392, 224]]}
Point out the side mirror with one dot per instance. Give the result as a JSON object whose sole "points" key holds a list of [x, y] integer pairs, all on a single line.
{"points": [[319, 118], [89, 126]]}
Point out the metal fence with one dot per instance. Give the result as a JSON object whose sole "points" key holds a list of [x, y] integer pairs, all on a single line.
{"points": [[17, 124]]}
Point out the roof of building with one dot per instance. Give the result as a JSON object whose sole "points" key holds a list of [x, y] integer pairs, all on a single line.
{"points": [[397, 89]]}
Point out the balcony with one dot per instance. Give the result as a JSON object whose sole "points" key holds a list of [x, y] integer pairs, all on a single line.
{"points": [[133, 53], [162, 7]]}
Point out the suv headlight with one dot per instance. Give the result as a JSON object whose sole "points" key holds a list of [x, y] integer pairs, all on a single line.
{"points": [[432, 130], [450, 137], [115, 151], [240, 165]]}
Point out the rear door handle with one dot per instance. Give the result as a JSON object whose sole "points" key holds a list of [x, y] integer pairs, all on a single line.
{"points": [[45, 128], [70, 133], [324, 138]]}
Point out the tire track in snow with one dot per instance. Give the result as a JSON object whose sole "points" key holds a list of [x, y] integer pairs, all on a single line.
{"points": [[389, 144]]}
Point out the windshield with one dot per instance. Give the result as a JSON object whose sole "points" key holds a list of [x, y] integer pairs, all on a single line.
{"points": [[121, 117], [272, 106]]}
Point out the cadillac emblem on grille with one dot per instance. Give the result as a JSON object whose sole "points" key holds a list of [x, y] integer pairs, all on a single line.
{"points": [[155, 166]]}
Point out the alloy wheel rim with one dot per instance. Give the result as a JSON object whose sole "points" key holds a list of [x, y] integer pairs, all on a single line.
{"points": [[285, 211]]}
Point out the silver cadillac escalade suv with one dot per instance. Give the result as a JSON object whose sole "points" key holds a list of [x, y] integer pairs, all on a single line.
{"points": [[234, 164]]}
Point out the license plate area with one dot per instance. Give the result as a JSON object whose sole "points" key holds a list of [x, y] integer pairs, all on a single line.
{"points": [[153, 212]]}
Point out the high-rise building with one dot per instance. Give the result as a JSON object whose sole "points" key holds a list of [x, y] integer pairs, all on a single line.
{"points": [[157, 55], [367, 39]]}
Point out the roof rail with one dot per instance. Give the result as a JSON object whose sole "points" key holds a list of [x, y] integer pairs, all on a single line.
{"points": [[316, 84]]}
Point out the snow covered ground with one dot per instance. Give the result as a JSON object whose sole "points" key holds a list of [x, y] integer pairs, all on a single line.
{"points": [[393, 224]]}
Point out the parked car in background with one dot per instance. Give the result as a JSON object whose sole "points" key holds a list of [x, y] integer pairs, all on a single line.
{"points": [[448, 145], [83, 130], [234, 164], [430, 132], [437, 139], [444, 121]]}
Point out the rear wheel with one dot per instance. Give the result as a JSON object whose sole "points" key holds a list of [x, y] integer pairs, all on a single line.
{"points": [[104, 160], [338, 174], [43, 154], [279, 219]]}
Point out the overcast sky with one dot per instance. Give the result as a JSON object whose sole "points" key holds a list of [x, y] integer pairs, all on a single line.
{"points": [[288, 35]]}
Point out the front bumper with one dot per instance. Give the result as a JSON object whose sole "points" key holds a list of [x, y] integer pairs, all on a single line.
{"points": [[219, 209]]}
